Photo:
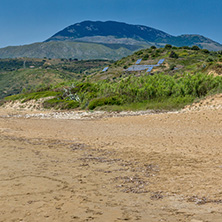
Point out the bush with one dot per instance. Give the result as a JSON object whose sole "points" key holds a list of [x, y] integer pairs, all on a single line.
{"points": [[195, 47], [173, 55], [57, 103], [81, 87], [172, 66], [70, 104], [145, 57], [168, 46], [205, 51], [139, 52], [210, 59], [183, 54], [185, 47], [51, 103], [153, 47], [113, 100]]}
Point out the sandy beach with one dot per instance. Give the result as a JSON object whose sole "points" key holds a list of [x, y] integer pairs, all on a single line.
{"points": [[150, 167]]}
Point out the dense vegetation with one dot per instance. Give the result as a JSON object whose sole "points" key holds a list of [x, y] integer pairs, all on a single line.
{"points": [[158, 92], [186, 74], [14, 64]]}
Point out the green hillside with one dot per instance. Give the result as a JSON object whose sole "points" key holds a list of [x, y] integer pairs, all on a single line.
{"points": [[78, 50], [185, 75], [17, 75], [183, 60]]}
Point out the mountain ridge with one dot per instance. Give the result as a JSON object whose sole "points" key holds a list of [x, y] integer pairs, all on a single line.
{"points": [[104, 40], [121, 30], [109, 28]]}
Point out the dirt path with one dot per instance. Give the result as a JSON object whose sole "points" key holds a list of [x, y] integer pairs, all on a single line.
{"points": [[159, 167]]}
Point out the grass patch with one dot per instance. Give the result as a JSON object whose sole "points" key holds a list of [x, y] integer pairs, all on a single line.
{"points": [[33, 95], [113, 100], [57, 103], [168, 104]]}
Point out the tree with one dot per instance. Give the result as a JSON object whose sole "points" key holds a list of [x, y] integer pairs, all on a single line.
{"points": [[153, 47], [205, 51], [168, 46], [195, 47], [185, 47]]}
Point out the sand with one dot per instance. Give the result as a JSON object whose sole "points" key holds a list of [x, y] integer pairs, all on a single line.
{"points": [[144, 167]]}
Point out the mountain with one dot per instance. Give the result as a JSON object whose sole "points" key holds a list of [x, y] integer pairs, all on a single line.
{"points": [[117, 32], [104, 40]]}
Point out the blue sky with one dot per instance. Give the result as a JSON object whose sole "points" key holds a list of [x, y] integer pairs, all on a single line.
{"points": [[29, 21]]}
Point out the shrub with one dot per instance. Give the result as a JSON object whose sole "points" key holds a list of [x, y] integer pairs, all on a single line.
{"points": [[139, 52], [183, 54], [57, 103], [172, 66], [70, 104], [113, 100], [145, 57], [153, 47], [168, 46], [81, 87], [173, 55], [205, 51], [195, 47], [210, 59], [51, 103], [185, 47]]}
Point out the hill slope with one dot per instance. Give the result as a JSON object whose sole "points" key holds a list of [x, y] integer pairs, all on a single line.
{"points": [[64, 49], [26, 74], [183, 76]]}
